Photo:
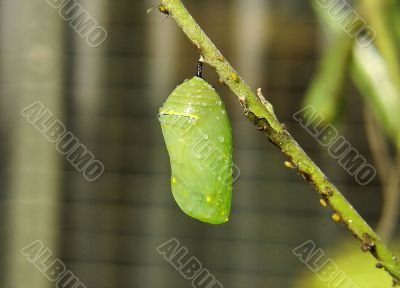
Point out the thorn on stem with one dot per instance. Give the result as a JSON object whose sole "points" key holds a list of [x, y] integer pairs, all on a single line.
{"points": [[261, 96], [265, 102]]}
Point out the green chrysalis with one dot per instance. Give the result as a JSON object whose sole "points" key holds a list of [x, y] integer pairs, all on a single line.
{"points": [[198, 137]]}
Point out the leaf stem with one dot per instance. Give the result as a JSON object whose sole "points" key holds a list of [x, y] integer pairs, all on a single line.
{"points": [[260, 113]]}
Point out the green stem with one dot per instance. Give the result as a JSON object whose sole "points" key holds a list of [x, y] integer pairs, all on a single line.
{"points": [[388, 172], [260, 113]]}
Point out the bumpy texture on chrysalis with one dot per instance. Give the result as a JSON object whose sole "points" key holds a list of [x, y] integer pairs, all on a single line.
{"points": [[198, 137]]}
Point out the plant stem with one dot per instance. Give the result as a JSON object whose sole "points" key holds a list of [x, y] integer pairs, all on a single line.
{"points": [[260, 113], [390, 212]]}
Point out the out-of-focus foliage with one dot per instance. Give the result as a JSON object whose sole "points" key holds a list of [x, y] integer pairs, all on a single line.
{"points": [[374, 69], [373, 79], [358, 268], [325, 91]]}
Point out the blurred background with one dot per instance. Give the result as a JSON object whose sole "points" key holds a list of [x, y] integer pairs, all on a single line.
{"points": [[107, 231]]}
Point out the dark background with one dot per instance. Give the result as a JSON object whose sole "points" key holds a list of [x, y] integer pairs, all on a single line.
{"points": [[107, 232]]}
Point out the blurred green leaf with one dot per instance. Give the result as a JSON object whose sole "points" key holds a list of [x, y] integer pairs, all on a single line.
{"points": [[372, 77], [325, 90], [375, 75], [353, 266]]}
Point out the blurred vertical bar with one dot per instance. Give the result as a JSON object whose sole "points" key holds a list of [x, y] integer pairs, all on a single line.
{"points": [[31, 70], [88, 71], [250, 30], [162, 46], [88, 250]]}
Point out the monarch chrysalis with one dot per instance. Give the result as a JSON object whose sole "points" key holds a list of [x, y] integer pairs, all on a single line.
{"points": [[198, 137]]}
